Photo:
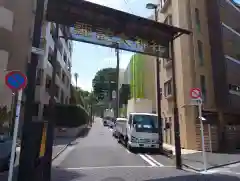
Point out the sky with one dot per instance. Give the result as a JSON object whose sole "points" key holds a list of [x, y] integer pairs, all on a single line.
{"points": [[87, 59]]}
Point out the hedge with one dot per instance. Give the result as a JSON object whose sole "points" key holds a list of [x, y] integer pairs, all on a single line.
{"points": [[70, 116]]}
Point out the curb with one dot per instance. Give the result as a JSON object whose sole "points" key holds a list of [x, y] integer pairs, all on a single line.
{"points": [[65, 147], [168, 153]]}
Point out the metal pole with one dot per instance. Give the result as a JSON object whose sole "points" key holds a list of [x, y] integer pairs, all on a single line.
{"points": [[15, 134], [158, 87], [29, 151], [175, 113], [109, 93], [202, 135], [210, 137], [50, 127], [11, 118], [117, 82]]}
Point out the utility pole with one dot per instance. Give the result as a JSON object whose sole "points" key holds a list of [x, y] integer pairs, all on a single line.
{"points": [[158, 83], [31, 135], [117, 81], [175, 113], [50, 127]]}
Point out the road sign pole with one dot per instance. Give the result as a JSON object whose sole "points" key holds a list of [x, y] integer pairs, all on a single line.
{"points": [[202, 135], [15, 133], [210, 137]]}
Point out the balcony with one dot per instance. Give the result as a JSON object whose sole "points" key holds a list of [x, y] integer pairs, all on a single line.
{"points": [[229, 14], [167, 63], [164, 4], [231, 42]]}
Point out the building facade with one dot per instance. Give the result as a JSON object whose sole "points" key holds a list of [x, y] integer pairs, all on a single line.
{"points": [[140, 75], [45, 67], [16, 32], [16, 28], [208, 59]]}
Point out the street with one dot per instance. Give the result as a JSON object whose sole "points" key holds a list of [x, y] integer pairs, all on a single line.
{"points": [[98, 157]]}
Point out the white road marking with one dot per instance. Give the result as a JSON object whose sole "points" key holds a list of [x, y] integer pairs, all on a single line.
{"points": [[147, 160], [108, 167], [153, 160]]}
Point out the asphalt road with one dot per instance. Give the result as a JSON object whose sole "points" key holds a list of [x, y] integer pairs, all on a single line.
{"points": [[98, 157]]}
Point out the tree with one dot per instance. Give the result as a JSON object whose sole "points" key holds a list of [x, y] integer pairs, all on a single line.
{"points": [[76, 78], [104, 82]]}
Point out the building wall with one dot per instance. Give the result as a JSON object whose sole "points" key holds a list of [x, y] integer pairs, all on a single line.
{"points": [[141, 76], [208, 71], [45, 68], [16, 25]]}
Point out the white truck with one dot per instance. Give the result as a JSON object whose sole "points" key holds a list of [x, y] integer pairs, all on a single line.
{"points": [[140, 130]]}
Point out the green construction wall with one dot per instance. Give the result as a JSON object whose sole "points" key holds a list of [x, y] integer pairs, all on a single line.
{"points": [[137, 76]]}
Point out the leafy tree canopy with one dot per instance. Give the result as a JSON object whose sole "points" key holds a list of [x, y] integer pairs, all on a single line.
{"points": [[103, 82]]}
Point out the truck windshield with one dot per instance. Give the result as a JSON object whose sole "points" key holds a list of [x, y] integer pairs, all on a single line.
{"points": [[145, 123]]}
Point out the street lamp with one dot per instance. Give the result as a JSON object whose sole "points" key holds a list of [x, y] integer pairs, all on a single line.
{"points": [[151, 6], [158, 87], [176, 117]]}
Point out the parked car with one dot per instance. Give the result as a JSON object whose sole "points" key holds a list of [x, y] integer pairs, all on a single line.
{"points": [[111, 122], [5, 151], [105, 122]]}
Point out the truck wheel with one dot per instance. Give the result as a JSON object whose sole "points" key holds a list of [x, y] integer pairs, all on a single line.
{"points": [[126, 141], [130, 148]]}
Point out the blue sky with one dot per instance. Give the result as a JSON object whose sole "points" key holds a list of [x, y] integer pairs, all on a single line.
{"points": [[87, 59]]}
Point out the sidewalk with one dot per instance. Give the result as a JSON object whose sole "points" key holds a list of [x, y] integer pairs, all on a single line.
{"points": [[193, 159], [59, 145]]}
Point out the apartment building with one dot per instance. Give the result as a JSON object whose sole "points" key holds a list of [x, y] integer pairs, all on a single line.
{"points": [[208, 59], [16, 31], [45, 67], [16, 27]]}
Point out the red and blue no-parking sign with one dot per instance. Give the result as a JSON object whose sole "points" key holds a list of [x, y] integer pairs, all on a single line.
{"points": [[16, 80]]}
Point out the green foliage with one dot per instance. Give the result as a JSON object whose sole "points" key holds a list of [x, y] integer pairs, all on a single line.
{"points": [[70, 115], [101, 82], [77, 96]]}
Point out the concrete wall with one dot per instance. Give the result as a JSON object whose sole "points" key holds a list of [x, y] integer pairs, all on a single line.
{"points": [[68, 132]]}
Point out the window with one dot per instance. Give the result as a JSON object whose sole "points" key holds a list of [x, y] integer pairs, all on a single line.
{"points": [[200, 52], [60, 47], [39, 77], [48, 83], [168, 20], [203, 87], [197, 19], [235, 89], [161, 93], [63, 77], [56, 91], [62, 97], [35, 109], [65, 57], [168, 88]]}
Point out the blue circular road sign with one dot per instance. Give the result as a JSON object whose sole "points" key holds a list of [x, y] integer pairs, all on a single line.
{"points": [[16, 80]]}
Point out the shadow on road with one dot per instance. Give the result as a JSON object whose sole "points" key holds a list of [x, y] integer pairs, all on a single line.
{"points": [[59, 174], [216, 177]]}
